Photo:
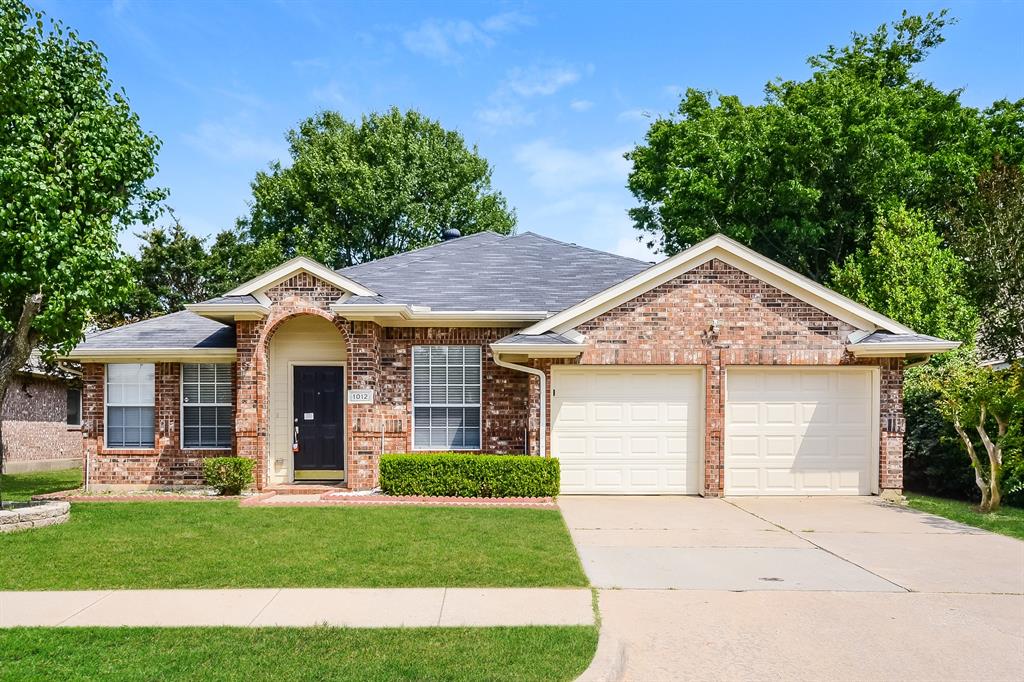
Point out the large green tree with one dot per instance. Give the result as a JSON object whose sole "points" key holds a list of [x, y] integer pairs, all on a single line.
{"points": [[989, 235], [803, 176], [170, 271], [354, 192], [908, 275], [74, 167]]}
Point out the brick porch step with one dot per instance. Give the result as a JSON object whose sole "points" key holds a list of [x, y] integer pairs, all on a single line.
{"points": [[304, 489]]}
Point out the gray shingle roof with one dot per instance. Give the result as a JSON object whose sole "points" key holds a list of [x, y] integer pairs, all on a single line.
{"points": [[547, 339], [888, 337], [181, 330], [233, 300], [488, 271]]}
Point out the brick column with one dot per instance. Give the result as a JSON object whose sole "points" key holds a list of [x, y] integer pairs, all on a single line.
{"points": [[364, 421], [250, 387], [714, 423], [892, 426]]}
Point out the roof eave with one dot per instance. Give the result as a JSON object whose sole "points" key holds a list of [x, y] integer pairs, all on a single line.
{"points": [[539, 350], [899, 350], [401, 312], [229, 312], [151, 354]]}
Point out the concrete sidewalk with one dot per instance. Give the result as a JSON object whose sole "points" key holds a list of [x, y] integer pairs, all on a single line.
{"points": [[342, 607]]}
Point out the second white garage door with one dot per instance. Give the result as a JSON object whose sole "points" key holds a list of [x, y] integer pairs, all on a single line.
{"points": [[800, 431], [627, 430]]}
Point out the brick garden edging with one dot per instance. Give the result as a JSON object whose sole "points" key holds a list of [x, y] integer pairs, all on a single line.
{"points": [[35, 515], [335, 500]]}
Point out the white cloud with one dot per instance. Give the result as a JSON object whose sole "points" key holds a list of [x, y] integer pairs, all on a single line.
{"points": [[503, 116], [635, 115], [556, 169], [331, 93], [311, 64], [506, 22], [229, 142], [581, 105], [441, 39], [505, 106], [673, 91], [534, 81]]}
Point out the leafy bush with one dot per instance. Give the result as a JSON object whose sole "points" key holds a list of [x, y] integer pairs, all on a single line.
{"points": [[229, 475], [454, 474]]}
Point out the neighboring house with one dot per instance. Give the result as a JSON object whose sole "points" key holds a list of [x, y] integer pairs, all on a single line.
{"points": [[716, 371], [41, 415]]}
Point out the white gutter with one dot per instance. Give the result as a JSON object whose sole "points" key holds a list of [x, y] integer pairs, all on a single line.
{"points": [[896, 349], [543, 397]]}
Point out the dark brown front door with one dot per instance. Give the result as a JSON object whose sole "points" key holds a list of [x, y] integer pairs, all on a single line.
{"points": [[319, 430]]}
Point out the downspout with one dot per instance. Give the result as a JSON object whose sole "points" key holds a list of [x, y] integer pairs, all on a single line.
{"points": [[539, 373]]}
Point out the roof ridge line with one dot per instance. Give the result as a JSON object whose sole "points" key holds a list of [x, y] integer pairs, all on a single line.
{"points": [[585, 248]]}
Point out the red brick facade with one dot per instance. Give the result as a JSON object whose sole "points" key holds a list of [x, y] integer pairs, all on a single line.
{"points": [[165, 464], [714, 316], [35, 430]]}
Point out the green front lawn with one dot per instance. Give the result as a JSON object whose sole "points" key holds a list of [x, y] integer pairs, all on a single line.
{"points": [[20, 487], [1006, 521], [525, 653], [109, 545]]}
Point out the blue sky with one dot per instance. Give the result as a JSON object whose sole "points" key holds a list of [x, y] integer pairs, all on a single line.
{"points": [[552, 93]]}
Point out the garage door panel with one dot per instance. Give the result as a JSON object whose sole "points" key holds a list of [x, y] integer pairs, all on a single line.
{"points": [[634, 435], [799, 431]]}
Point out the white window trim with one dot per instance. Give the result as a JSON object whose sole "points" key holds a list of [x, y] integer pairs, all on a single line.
{"points": [[412, 397], [106, 404], [181, 410]]}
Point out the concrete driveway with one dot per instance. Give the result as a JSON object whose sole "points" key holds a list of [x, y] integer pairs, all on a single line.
{"points": [[797, 588]]}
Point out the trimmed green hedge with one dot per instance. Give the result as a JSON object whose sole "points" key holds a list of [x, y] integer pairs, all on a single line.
{"points": [[229, 475], [455, 474]]}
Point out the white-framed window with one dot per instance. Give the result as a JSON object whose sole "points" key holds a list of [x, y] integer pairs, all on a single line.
{"points": [[130, 406], [446, 397], [207, 414]]}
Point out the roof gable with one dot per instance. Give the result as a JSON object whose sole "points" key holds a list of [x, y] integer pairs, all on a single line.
{"points": [[739, 256], [293, 267]]}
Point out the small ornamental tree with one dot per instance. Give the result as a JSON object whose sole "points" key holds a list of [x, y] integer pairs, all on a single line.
{"points": [[980, 403], [74, 163]]}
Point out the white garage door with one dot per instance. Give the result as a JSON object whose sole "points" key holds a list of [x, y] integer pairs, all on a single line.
{"points": [[627, 430], [800, 431]]}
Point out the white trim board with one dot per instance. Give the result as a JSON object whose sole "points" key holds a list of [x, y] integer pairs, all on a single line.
{"points": [[290, 268], [735, 254]]}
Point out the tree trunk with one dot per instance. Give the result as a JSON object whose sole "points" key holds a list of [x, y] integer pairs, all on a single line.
{"points": [[979, 479], [995, 457], [15, 348]]}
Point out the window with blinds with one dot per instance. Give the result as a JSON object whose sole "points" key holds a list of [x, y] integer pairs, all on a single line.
{"points": [[446, 397], [130, 406], [207, 414]]}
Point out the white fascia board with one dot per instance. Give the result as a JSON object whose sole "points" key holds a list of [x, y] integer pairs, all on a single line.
{"points": [[229, 311], [735, 254], [401, 311], [539, 350], [153, 355], [295, 265], [889, 350]]}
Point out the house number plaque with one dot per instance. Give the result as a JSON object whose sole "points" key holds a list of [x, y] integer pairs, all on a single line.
{"points": [[360, 397]]}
